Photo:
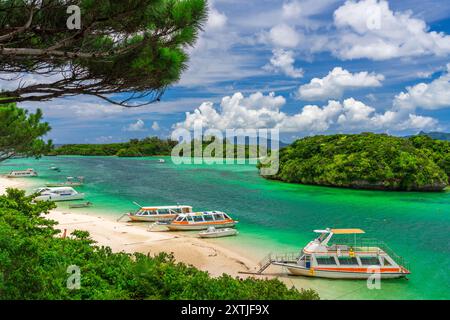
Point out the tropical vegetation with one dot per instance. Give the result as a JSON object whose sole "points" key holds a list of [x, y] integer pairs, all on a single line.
{"points": [[149, 146], [35, 261], [21, 133], [367, 161], [126, 52]]}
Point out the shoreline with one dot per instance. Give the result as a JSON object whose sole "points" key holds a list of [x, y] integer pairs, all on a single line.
{"points": [[134, 237]]}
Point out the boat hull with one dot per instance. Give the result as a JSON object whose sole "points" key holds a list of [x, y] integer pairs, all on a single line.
{"points": [[219, 234], [338, 274], [189, 227], [79, 196]]}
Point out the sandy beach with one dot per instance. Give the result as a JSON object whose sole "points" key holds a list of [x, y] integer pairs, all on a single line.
{"points": [[135, 237]]}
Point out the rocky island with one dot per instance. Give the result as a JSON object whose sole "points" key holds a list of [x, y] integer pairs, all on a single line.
{"points": [[367, 161]]}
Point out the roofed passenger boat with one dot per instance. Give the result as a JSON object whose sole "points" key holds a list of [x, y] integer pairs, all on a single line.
{"points": [[343, 259], [159, 213], [202, 221]]}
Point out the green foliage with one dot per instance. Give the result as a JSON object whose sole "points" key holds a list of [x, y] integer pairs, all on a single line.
{"points": [[368, 161], [122, 46], [150, 146], [21, 132], [34, 261]]}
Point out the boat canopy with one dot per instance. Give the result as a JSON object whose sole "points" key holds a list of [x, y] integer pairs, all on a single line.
{"points": [[165, 207], [347, 231]]}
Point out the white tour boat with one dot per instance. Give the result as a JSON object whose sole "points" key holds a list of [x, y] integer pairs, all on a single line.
{"points": [[212, 232], [58, 194], [70, 182], [161, 213], [22, 173], [202, 220], [351, 259]]}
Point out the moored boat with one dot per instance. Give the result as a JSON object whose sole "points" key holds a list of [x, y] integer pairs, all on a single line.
{"points": [[80, 205], [159, 213], [348, 259], [58, 194], [22, 173], [70, 182], [202, 220], [212, 232]]}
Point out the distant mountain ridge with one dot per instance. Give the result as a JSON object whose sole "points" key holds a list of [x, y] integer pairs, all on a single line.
{"points": [[436, 135]]}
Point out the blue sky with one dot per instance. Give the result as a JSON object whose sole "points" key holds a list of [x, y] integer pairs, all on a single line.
{"points": [[303, 66]]}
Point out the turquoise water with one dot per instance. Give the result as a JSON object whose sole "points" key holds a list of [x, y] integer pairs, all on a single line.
{"points": [[276, 216]]}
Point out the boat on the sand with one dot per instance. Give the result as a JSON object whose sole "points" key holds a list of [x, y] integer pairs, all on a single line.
{"points": [[202, 220], [158, 213]]}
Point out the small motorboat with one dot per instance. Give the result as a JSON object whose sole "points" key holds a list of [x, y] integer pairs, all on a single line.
{"points": [[80, 205], [70, 182], [22, 173], [212, 232], [55, 168], [161, 161]]}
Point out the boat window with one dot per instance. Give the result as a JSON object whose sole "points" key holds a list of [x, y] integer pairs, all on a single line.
{"points": [[179, 218], [189, 218], [325, 260], [369, 261], [386, 262], [208, 217], [226, 216], [198, 219], [186, 210], [348, 261], [143, 213], [176, 210], [163, 211], [219, 216]]}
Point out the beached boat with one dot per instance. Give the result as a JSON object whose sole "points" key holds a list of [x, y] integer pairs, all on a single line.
{"points": [[212, 232], [58, 194], [342, 259], [22, 173], [202, 220], [80, 205], [160, 213], [70, 182]]}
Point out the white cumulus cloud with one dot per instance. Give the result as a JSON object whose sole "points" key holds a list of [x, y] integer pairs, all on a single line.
{"points": [[431, 96], [139, 125], [264, 111], [155, 126], [370, 29], [284, 36], [338, 80], [282, 61]]}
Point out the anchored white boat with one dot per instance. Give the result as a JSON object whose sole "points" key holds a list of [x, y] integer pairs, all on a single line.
{"points": [[58, 194], [22, 173], [161, 213], [354, 259], [202, 220], [212, 232], [70, 182], [161, 161]]}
